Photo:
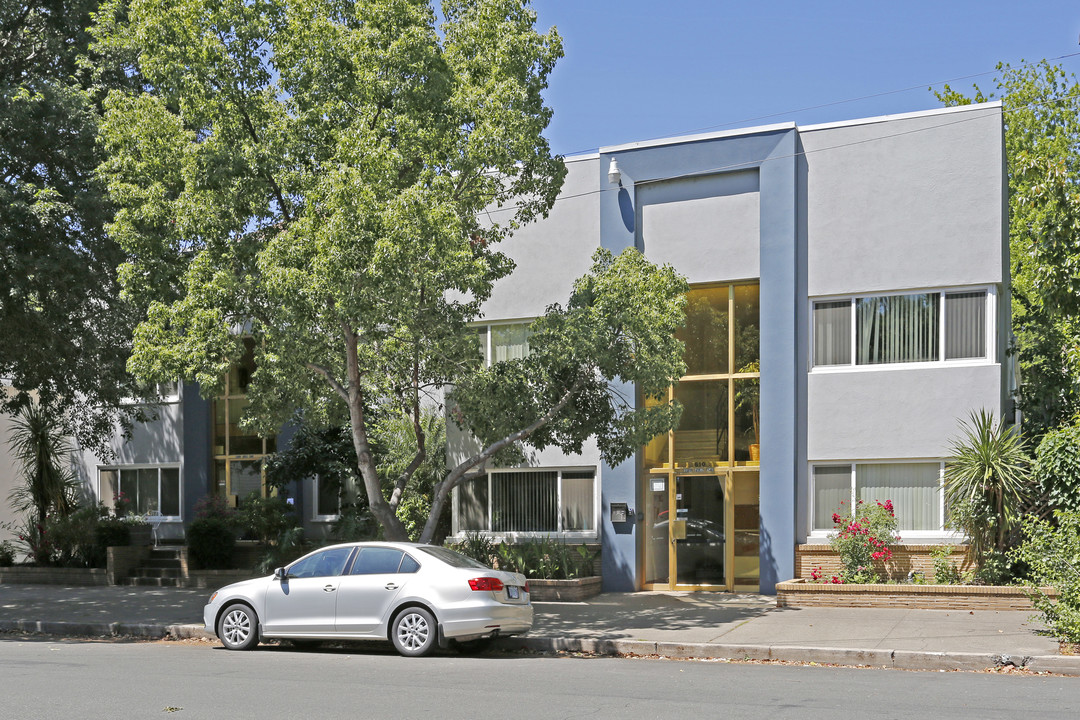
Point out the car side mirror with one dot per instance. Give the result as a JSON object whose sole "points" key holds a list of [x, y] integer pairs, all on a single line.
{"points": [[279, 573]]}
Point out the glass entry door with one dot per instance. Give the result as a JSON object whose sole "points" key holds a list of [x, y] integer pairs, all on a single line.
{"points": [[686, 543]]}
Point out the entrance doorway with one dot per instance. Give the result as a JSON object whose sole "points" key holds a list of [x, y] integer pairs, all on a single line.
{"points": [[686, 520]]}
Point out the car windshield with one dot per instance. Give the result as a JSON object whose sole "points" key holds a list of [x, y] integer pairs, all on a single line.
{"points": [[453, 558]]}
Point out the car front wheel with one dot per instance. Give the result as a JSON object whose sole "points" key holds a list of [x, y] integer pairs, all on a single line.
{"points": [[413, 632], [238, 627]]}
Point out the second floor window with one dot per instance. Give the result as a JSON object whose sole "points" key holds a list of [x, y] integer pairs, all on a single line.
{"points": [[885, 329]]}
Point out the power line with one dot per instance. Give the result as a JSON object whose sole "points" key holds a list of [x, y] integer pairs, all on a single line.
{"points": [[743, 165]]}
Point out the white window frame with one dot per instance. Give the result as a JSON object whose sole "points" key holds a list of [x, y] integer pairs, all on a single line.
{"points": [[315, 516], [907, 537], [559, 533], [171, 398], [147, 466], [990, 339], [487, 326]]}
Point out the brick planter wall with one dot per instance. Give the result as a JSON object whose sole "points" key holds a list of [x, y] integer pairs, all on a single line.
{"points": [[905, 559], [54, 576], [124, 559], [564, 590], [799, 593]]}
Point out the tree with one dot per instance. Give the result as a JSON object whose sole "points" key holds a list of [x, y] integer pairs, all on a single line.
{"points": [[66, 333], [1042, 142], [311, 174]]}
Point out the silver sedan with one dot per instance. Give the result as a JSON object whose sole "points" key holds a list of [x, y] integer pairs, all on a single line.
{"points": [[416, 596]]}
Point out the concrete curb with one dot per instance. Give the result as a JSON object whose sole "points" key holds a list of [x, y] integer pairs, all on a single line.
{"points": [[895, 659], [116, 629]]}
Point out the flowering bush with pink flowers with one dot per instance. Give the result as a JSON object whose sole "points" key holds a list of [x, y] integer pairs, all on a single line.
{"points": [[862, 537]]}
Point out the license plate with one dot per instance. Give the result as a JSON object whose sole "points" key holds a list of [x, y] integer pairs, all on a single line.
{"points": [[513, 592]]}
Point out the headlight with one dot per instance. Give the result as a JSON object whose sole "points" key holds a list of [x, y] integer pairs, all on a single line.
{"points": [[211, 598]]}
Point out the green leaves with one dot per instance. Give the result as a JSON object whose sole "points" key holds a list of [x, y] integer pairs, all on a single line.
{"points": [[1042, 143], [617, 332], [987, 479]]}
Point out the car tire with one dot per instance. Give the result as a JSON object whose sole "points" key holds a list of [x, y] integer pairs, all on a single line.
{"points": [[414, 632], [471, 647], [238, 627]]}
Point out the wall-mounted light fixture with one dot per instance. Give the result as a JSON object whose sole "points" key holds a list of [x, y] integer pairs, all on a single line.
{"points": [[614, 175]]}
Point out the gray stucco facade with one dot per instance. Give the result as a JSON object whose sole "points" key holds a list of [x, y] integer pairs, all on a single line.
{"points": [[911, 204]]}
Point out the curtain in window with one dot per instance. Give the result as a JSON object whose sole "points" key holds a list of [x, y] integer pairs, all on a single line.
{"points": [[509, 342], [170, 492], [965, 325], [471, 505], [914, 488], [524, 502], [577, 501], [832, 333], [832, 485], [897, 328]]}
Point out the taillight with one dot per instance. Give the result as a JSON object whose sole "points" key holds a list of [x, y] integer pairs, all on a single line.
{"points": [[486, 583], [526, 586]]}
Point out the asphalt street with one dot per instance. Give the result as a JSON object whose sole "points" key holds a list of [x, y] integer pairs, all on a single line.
{"points": [[46, 679]]}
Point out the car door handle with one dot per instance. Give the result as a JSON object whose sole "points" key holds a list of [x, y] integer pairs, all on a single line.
{"points": [[329, 588], [391, 586]]}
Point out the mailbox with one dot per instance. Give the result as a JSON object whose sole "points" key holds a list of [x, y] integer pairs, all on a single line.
{"points": [[620, 512]]}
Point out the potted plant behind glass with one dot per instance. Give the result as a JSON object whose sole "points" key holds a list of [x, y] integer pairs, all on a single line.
{"points": [[747, 399]]}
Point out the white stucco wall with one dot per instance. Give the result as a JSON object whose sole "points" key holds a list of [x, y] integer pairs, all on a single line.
{"points": [[894, 414], [708, 228], [912, 202]]}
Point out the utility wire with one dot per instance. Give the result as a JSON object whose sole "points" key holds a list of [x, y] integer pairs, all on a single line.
{"points": [[803, 153]]}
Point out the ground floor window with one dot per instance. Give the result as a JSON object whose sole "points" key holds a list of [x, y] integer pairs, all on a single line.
{"points": [[915, 489], [327, 499], [147, 489], [533, 501]]}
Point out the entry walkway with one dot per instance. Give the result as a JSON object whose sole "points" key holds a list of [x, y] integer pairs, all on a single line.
{"points": [[668, 624]]}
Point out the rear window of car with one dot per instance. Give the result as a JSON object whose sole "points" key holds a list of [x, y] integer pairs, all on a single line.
{"points": [[376, 561], [453, 558]]}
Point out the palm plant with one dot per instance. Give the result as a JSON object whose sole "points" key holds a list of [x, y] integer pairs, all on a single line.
{"points": [[39, 446], [987, 479]]}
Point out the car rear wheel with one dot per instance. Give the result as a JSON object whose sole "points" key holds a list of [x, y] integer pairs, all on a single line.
{"points": [[238, 627], [413, 632]]}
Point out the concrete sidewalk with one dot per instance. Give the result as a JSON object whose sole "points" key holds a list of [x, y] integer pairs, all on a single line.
{"points": [[667, 624]]}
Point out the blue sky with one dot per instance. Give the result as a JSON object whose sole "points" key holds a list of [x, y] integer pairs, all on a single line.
{"points": [[636, 70]]}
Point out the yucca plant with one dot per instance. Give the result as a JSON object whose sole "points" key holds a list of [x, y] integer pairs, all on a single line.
{"points": [[987, 480], [42, 451]]}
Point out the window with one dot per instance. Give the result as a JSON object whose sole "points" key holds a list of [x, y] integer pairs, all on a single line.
{"points": [[545, 502], [327, 498], [380, 561], [327, 563], [166, 392], [915, 489], [910, 328], [504, 341], [147, 489]]}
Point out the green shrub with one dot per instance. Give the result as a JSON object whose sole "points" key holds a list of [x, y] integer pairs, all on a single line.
{"points": [[266, 519], [7, 554], [73, 538], [863, 537], [477, 546], [945, 570], [546, 559], [1057, 467], [112, 532], [1051, 551], [210, 542]]}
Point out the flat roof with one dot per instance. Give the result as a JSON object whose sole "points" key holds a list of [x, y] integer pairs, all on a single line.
{"points": [[757, 130]]}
